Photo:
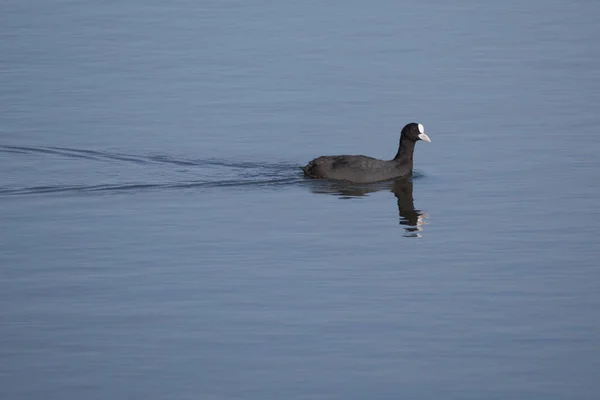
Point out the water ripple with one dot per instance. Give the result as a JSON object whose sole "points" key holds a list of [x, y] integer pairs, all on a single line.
{"points": [[234, 173], [138, 186], [133, 158]]}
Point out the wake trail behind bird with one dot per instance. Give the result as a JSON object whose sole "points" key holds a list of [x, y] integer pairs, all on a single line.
{"points": [[136, 187], [133, 158], [222, 173]]}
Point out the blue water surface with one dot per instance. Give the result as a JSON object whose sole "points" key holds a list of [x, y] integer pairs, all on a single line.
{"points": [[158, 240]]}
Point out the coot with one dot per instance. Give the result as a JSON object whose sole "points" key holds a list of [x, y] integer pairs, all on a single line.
{"points": [[363, 169]]}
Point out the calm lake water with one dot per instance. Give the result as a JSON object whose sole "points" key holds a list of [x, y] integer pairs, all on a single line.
{"points": [[158, 239]]}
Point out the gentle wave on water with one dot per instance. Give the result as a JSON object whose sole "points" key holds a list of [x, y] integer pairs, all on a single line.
{"points": [[134, 158], [140, 186], [230, 173]]}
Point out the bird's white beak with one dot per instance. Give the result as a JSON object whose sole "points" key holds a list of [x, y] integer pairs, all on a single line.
{"points": [[423, 136]]}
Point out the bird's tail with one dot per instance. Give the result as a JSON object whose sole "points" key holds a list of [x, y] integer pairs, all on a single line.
{"points": [[304, 169]]}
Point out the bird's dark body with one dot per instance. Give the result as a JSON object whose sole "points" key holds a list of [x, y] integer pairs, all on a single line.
{"points": [[363, 169], [355, 168]]}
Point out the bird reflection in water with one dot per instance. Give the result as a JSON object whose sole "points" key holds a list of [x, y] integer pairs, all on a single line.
{"points": [[410, 218]]}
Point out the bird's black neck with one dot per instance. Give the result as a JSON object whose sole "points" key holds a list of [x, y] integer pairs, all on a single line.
{"points": [[405, 152]]}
